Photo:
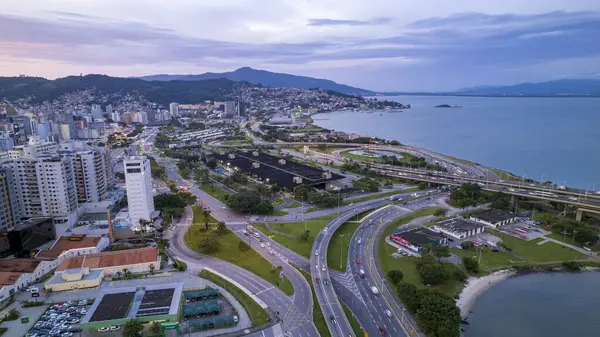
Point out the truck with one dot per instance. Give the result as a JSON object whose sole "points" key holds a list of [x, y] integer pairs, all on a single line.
{"points": [[375, 290]]}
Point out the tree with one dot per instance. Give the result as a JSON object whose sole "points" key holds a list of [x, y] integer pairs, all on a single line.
{"points": [[244, 202], [132, 328], [222, 228], [470, 264], [206, 214], [408, 293], [304, 236], [209, 245], [264, 207], [467, 244], [432, 273], [155, 329], [151, 268], [395, 275], [440, 251], [440, 213], [438, 314]]}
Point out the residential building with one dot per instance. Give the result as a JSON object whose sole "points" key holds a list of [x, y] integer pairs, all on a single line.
{"points": [[138, 181], [231, 109], [90, 174], [23, 127], [174, 109], [494, 218], [97, 111], [7, 141], [10, 214]]}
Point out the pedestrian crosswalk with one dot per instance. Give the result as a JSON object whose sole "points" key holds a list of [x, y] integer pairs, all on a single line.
{"points": [[294, 318]]}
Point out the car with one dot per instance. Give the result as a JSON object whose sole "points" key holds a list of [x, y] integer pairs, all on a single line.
{"points": [[66, 334], [362, 273], [268, 244], [332, 319], [317, 253], [388, 313], [359, 240], [323, 268], [271, 252], [262, 240], [235, 319], [318, 280], [262, 245], [325, 230], [33, 290], [115, 328], [224, 207], [256, 235], [381, 330], [245, 232], [104, 329], [357, 261]]}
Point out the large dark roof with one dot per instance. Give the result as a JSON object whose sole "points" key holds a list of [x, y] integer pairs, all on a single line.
{"points": [[494, 215], [113, 306], [459, 225], [271, 168], [420, 236]]}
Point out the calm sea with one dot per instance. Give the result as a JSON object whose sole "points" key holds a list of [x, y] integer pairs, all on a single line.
{"points": [[555, 139], [538, 305]]}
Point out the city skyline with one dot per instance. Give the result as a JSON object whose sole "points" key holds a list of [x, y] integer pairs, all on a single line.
{"points": [[380, 46]]}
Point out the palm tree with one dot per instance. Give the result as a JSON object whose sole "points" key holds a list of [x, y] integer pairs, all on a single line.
{"points": [[206, 213], [163, 244], [152, 268]]}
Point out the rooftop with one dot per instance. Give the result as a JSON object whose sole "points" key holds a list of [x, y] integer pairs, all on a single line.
{"points": [[420, 236], [278, 172], [494, 215], [458, 225], [65, 243], [19, 265], [9, 277], [111, 259]]}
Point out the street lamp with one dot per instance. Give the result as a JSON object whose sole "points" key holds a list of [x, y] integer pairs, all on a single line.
{"points": [[341, 250]]}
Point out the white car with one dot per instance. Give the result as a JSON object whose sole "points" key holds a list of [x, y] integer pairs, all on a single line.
{"points": [[325, 229], [104, 329], [256, 235], [389, 313], [33, 290], [268, 244], [262, 245], [317, 253], [115, 328], [323, 268]]}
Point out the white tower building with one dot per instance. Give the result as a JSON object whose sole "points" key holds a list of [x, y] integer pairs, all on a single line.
{"points": [[138, 180]]}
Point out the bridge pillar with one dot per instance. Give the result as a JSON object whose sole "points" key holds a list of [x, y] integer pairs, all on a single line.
{"points": [[579, 215], [305, 149], [513, 200]]}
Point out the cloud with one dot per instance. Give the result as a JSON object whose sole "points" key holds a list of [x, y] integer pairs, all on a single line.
{"points": [[438, 51], [334, 22]]}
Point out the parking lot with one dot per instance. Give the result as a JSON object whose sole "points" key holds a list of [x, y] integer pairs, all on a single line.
{"points": [[525, 229], [61, 319]]}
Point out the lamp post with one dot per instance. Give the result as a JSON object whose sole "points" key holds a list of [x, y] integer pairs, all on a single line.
{"points": [[341, 250]]}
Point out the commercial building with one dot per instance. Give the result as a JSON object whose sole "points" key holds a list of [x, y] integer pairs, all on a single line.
{"points": [[459, 228], [138, 181], [25, 238], [17, 274], [494, 218], [230, 109], [149, 303], [88, 271], [276, 170], [416, 239]]}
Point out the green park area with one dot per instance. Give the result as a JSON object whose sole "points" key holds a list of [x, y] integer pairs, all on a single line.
{"points": [[223, 244], [531, 250], [202, 216], [214, 191], [489, 260], [257, 314], [340, 243], [292, 235]]}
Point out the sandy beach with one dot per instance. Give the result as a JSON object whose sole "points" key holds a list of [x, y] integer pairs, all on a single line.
{"points": [[476, 286]]}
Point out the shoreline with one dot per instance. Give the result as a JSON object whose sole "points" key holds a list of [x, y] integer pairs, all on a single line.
{"points": [[478, 285]]}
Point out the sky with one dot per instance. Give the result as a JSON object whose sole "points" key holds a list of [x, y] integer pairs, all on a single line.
{"points": [[383, 45]]}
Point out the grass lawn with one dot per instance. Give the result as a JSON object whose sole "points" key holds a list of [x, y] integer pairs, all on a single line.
{"points": [[229, 251], [547, 252], [490, 261], [278, 213], [333, 250], [504, 175], [215, 191], [199, 216], [318, 319], [258, 315], [295, 229], [293, 205], [408, 264], [373, 196], [311, 209], [358, 331], [278, 202]]}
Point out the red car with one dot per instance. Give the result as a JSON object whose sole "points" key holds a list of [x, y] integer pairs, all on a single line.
{"points": [[381, 331], [357, 261], [318, 280]]}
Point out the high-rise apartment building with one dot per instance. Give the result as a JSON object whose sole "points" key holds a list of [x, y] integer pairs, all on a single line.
{"points": [[174, 109], [230, 109], [9, 208], [138, 181], [97, 111], [89, 170]]}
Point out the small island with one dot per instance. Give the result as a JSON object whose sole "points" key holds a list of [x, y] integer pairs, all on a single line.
{"points": [[447, 106]]}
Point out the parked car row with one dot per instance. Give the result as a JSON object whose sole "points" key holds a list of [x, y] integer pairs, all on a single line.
{"points": [[60, 320]]}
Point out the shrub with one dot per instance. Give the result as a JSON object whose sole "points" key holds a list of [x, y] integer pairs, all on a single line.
{"points": [[470, 264], [395, 275], [243, 246]]}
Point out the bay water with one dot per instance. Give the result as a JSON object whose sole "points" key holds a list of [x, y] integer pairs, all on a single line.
{"points": [[555, 139]]}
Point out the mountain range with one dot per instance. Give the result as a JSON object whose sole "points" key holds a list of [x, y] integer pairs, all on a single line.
{"points": [[266, 78], [565, 87]]}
